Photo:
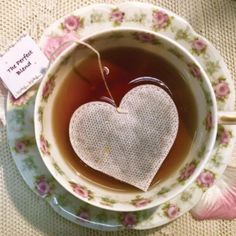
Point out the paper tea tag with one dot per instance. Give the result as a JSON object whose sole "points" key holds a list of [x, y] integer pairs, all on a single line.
{"points": [[22, 65]]}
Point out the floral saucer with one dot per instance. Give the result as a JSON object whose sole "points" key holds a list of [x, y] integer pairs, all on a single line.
{"points": [[20, 112]]}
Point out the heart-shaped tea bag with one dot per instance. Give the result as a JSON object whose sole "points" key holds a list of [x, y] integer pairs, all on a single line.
{"points": [[129, 145]]}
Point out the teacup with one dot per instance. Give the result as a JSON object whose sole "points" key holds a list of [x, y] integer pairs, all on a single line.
{"points": [[89, 190]]}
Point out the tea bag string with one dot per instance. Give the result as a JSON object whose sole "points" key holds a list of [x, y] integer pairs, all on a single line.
{"points": [[101, 68]]}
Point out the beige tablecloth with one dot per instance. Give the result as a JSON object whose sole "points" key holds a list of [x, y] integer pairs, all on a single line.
{"points": [[21, 211]]}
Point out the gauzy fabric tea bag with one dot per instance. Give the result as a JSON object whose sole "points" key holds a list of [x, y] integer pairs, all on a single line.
{"points": [[130, 142]]}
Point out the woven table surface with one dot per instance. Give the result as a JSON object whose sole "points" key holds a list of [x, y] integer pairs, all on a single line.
{"points": [[24, 213]]}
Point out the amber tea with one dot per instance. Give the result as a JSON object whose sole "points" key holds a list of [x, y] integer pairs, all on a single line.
{"points": [[128, 68]]}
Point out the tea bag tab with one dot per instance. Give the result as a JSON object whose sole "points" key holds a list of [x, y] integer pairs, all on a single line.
{"points": [[129, 146]]}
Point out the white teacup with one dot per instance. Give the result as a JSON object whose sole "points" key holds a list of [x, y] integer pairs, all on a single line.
{"points": [[207, 119]]}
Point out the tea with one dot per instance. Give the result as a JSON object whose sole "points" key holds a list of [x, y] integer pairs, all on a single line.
{"points": [[84, 84]]}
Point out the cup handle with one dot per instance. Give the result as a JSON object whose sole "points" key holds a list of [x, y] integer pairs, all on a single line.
{"points": [[227, 117]]}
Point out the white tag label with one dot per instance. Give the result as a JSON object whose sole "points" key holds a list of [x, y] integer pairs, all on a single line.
{"points": [[22, 65]]}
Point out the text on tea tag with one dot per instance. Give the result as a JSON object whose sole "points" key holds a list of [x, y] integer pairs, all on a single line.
{"points": [[22, 65]]}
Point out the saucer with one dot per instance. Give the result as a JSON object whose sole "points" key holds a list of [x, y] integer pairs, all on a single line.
{"points": [[20, 119]]}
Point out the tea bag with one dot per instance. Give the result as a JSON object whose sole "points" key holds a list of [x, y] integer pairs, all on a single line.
{"points": [[130, 142]]}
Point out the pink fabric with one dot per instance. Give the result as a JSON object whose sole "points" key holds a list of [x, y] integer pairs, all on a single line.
{"points": [[219, 202]]}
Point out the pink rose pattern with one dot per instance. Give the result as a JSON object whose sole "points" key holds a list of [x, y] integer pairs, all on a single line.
{"points": [[187, 171], [160, 20], [43, 186], [54, 46], [221, 89], [22, 100], [171, 211], [198, 46], [129, 220], [140, 202], [48, 88], [72, 23], [145, 37], [83, 215], [206, 179], [82, 191], [44, 145], [117, 17], [22, 144], [195, 71], [224, 136], [208, 122]]}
